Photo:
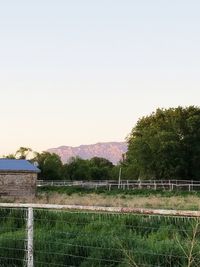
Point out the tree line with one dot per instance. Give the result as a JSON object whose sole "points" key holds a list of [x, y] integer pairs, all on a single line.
{"points": [[162, 145], [165, 145], [76, 168]]}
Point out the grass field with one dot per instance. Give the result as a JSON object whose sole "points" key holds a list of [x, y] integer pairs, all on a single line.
{"points": [[79, 239], [128, 198]]}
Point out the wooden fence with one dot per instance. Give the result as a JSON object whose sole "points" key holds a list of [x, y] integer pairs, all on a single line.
{"points": [[170, 185]]}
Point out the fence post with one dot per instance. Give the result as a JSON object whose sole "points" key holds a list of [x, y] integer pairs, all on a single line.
{"points": [[127, 185], [30, 238], [119, 179], [155, 186]]}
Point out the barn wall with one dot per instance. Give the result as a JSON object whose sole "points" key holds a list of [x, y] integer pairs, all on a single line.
{"points": [[18, 184]]}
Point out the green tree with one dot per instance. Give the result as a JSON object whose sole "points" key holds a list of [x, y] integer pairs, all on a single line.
{"points": [[166, 145], [77, 169], [100, 168], [23, 152], [10, 156], [81, 169], [50, 165]]}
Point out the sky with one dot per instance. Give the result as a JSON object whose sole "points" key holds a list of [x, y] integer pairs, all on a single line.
{"points": [[81, 72]]}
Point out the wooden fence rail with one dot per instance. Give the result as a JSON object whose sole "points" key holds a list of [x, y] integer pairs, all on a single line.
{"points": [[187, 185], [180, 213]]}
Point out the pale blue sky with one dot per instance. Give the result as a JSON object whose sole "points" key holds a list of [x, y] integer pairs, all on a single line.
{"points": [[79, 72]]}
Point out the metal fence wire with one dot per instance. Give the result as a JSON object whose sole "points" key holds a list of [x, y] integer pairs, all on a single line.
{"points": [[73, 236]]}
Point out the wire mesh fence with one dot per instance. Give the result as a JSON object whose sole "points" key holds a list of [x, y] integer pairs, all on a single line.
{"points": [[88, 238], [13, 237]]}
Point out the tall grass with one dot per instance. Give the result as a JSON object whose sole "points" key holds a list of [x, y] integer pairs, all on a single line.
{"points": [[103, 190], [99, 239], [12, 237]]}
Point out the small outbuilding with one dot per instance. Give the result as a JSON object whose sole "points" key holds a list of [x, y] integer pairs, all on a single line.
{"points": [[18, 178]]}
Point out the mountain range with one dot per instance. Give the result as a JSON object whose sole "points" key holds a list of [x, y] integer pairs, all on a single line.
{"points": [[110, 150]]}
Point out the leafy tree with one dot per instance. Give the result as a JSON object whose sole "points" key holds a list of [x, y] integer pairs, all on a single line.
{"points": [[77, 169], [101, 162], [166, 145], [23, 152], [10, 156], [66, 172], [50, 166], [94, 169], [100, 168]]}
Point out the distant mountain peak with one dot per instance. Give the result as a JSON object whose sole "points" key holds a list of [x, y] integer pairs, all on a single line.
{"points": [[110, 150]]}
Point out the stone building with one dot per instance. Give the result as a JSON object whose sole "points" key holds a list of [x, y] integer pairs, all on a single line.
{"points": [[18, 178]]}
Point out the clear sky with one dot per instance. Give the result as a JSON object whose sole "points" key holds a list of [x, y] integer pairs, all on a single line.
{"points": [[83, 71]]}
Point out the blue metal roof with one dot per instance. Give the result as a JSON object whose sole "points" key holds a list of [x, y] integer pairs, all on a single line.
{"points": [[17, 165]]}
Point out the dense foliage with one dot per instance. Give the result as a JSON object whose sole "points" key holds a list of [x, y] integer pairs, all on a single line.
{"points": [[165, 145], [50, 165], [52, 168], [99, 239], [94, 169]]}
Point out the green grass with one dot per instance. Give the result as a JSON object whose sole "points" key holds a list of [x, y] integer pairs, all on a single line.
{"points": [[99, 239], [114, 192]]}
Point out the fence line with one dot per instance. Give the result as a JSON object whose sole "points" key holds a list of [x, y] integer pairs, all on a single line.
{"points": [[71, 235], [126, 184], [182, 213]]}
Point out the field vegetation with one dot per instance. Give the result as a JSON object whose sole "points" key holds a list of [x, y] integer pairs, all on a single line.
{"points": [[120, 198], [98, 239]]}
